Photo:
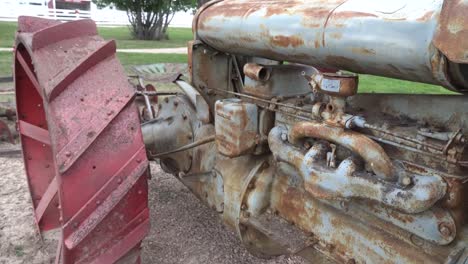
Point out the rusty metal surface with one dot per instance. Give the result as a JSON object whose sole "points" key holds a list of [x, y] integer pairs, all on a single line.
{"points": [[290, 157], [348, 180], [372, 153], [83, 150], [280, 77], [390, 39], [451, 37], [316, 190], [236, 125]]}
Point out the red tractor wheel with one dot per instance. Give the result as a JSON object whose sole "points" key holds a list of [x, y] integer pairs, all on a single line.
{"points": [[82, 145]]}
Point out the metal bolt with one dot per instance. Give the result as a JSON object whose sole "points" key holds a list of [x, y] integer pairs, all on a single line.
{"points": [[284, 137], [110, 113], [98, 202], [140, 191], [343, 205], [445, 230], [406, 181], [166, 100], [184, 116], [68, 154], [138, 160], [75, 225], [246, 214], [176, 103], [416, 240], [330, 247], [119, 180]]}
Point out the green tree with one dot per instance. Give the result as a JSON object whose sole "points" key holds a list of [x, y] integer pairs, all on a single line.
{"points": [[149, 19]]}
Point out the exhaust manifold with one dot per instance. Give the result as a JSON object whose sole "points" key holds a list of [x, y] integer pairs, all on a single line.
{"points": [[348, 180]]}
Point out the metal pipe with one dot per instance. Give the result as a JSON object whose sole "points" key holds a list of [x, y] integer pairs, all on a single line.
{"points": [[348, 180], [148, 106], [184, 148], [370, 151], [387, 38], [256, 72]]}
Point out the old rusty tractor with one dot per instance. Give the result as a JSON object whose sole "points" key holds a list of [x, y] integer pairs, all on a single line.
{"points": [[269, 131]]}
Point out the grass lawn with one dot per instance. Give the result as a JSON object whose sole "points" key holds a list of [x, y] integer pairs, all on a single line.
{"points": [[375, 84], [178, 37], [367, 83], [5, 64], [127, 60]]}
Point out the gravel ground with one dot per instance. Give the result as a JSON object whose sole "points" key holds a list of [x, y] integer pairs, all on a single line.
{"points": [[183, 230]]}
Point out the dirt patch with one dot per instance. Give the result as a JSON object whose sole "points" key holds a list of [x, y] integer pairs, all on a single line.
{"points": [[19, 242], [183, 230]]}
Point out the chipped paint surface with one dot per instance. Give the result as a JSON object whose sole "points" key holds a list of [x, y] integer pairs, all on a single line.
{"points": [[394, 36]]}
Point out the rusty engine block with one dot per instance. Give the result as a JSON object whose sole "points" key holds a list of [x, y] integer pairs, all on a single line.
{"points": [[294, 159], [270, 131]]}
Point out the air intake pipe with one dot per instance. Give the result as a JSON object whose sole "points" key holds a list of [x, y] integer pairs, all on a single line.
{"points": [[415, 40]]}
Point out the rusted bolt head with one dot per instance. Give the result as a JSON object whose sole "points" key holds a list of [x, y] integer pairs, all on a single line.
{"points": [[176, 103], [166, 100], [416, 240], [445, 230], [284, 137], [246, 214], [406, 181]]}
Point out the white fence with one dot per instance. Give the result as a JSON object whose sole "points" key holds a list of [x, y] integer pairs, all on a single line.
{"points": [[11, 9]]}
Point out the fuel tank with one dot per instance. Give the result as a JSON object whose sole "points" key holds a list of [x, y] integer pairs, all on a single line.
{"points": [[413, 40]]}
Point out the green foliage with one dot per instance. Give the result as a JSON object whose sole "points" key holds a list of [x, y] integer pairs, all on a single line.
{"points": [[150, 18]]}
